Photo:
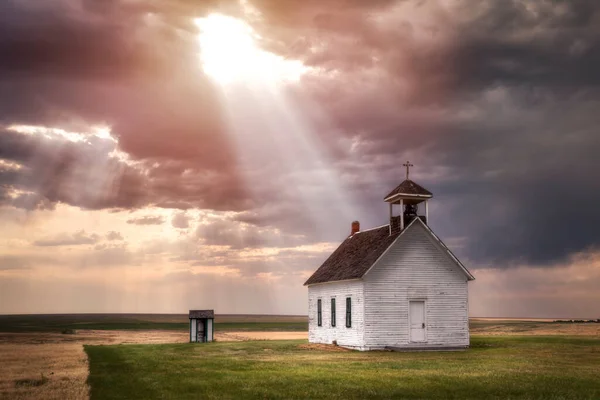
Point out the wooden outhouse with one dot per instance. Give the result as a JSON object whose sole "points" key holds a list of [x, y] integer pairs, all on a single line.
{"points": [[202, 327], [396, 286]]}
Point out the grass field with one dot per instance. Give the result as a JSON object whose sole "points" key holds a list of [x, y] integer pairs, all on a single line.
{"points": [[38, 362], [534, 367], [61, 322]]}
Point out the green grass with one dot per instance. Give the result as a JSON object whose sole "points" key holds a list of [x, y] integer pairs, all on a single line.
{"points": [[65, 322], [531, 367]]}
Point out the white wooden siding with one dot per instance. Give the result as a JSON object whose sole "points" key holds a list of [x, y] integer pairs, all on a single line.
{"points": [[348, 337], [209, 330], [416, 268], [192, 330]]}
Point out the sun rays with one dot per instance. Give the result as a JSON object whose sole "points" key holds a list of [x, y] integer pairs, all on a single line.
{"points": [[277, 137]]}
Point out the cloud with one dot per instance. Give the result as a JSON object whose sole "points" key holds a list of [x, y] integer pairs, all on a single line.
{"points": [[495, 103], [14, 263], [123, 30], [86, 173], [227, 231], [65, 239], [113, 235], [89, 89], [147, 220], [566, 291], [181, 221], [109, 256]]}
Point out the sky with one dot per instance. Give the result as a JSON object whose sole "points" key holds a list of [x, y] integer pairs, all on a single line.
{"points": [[165, 155]]}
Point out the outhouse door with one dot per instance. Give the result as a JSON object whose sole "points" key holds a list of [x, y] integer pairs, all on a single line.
{"points": [[416, 316], [201, 330]]}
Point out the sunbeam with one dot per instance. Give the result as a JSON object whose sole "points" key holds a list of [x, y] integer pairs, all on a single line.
{"points": [[272, 134]]}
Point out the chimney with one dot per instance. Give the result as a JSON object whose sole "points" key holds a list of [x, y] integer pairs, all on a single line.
{"points": [[355, 227]]}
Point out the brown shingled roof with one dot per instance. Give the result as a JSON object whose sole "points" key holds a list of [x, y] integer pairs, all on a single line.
{"points": [[202, 314], [411, 188], [355, 256]]}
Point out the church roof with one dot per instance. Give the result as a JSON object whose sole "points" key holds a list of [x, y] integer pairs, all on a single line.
{"points": [[411, 188], [357, 254]]}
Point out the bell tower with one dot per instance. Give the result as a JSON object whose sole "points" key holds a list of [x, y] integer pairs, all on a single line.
{"points": [[409, 196]]}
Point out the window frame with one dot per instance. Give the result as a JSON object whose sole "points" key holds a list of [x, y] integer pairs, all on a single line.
{"points": [[348, 312], [333, 313], [319, 313]]}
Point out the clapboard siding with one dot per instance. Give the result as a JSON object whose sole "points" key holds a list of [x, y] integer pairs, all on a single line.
{"points": [[193, 330], [415, 267], [348, 337]]}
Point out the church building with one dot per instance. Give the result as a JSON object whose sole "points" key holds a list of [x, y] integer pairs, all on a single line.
{"points": [[396, 286]]}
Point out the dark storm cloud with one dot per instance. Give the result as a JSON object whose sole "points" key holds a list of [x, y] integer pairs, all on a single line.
{"points": [[46, 40], [89, 39], [502, 100], [495, 102]]}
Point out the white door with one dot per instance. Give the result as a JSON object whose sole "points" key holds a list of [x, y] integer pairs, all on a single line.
{"points": [[416, 316]]}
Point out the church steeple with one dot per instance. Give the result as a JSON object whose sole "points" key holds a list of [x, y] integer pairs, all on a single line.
{"points": [[408, 195]]}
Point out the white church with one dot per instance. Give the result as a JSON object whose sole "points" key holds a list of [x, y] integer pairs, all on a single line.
{"points": [[396, 286]]}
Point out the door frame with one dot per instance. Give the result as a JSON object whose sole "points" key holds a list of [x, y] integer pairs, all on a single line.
{"points": [[424, 300], [203, 321]]}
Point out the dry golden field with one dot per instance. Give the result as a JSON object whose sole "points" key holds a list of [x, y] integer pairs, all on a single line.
{"points": [[48, 365], [43, 371], [494, 326]]}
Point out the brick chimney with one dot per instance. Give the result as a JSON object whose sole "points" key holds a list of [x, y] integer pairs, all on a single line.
{"points": [[355, 227]]}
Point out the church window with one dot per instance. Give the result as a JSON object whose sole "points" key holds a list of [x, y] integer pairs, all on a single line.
{"points": [[333, 311], [319, 319], [348, 312]]}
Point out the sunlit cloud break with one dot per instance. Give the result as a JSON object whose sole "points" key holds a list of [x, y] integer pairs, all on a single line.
{"points": [[230, 54], [101, 132]]}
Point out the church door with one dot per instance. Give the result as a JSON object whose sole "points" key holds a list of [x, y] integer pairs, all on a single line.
{"points": [[416, 316]]}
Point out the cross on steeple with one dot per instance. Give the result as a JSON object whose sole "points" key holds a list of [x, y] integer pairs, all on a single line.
{"points": [[407, 165]]}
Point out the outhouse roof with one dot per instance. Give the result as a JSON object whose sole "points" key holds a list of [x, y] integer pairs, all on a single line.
{"points": [[202, 314], [357, 254]]}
